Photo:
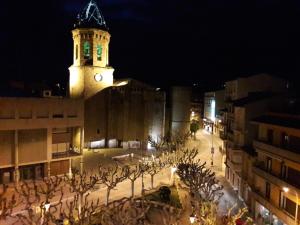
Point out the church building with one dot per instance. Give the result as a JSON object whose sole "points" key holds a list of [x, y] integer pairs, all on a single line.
{"points": [[118, 113]]}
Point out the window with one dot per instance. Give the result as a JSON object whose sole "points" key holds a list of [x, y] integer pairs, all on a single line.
{"points": [[269, 164], [284, 140], [99, 52], [283, 171], [76, 51], [288, 205], [268, 190], [87, 50], [270, 136]]}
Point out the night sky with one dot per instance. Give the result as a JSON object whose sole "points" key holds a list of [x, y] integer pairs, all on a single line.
{"points": [[162, 42]]}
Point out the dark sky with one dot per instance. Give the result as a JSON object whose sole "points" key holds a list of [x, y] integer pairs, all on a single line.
{"points": [[157, 41]]}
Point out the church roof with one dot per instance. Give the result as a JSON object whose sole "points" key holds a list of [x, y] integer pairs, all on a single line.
{"points": [[91, 17]]}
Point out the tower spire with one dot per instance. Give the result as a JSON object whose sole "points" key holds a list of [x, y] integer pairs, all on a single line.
{"points": [[91, 17]]}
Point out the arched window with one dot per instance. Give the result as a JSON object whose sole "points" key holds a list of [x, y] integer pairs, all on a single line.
{"points": [[99, 52], [86, 50], [76, 51]]}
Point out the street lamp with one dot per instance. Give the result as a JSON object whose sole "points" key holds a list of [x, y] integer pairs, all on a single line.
{"points": [[286, 189], [173, 170], [44, 209], [212, 149], [192, 219]]}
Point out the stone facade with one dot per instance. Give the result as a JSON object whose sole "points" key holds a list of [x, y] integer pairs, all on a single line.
{"points": [[127, 112], [90, 72], [180, 109]]}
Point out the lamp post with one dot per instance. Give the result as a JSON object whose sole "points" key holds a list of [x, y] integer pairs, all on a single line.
{"points": [[173, 170], [192, 218], [44, 209], [212, 145], [286, 189]]}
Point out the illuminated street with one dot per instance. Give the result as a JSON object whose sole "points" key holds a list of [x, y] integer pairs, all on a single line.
{"points": [[104, 157], [202, 142]]}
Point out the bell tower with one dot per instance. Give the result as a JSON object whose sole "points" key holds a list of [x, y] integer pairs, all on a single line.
{"points": [[90, 72]]}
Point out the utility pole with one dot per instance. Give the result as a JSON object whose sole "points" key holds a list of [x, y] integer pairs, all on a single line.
{"points": [[212, 145]]}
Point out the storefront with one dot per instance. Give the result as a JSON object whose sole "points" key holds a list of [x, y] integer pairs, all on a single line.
{"points": [[264, 217], [32, 172], [6, 175], [208, 125]]}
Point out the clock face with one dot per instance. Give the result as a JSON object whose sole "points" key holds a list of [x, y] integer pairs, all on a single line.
{"points": [[98, 77]]}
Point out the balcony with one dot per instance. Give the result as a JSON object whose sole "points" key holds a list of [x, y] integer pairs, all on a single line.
{"points": [[260, 170], [66, 154], [237, 127], [230, 115], [261, 146], [237, 167], [230, 135], [280, 213]]}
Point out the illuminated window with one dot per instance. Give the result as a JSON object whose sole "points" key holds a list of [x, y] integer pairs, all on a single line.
{"points": [[99, 52], [87, 50], [76, 51]]}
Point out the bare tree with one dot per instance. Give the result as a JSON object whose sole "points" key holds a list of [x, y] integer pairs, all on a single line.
{"points": [[201, 181], [7, 204], [133, 174], [81, 184], [170, 142], [111, 176], [36, 197], [70, 211], [153, 168], [125, 212]]}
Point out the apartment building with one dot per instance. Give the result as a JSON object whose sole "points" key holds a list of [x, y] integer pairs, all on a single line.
{"points": [[39, 137], [276, 173], [239, 152], [245, 99]]}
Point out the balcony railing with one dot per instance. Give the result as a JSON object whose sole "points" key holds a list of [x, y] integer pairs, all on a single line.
{"points": [[278, 151], [66, 154], [237, 167], [280, 213], [261, 171]]}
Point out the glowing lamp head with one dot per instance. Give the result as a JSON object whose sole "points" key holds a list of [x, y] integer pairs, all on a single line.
{"points": [[173, 170], [47, 206], [192, 219], [285, 189]]}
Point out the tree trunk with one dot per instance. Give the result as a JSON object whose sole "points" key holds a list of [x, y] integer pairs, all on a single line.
{"points": [[107, 195], [132, 188], [152, 181], [143, 184], [80, 203]]}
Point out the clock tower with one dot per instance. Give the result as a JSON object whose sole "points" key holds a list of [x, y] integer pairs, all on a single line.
{"points": [[90, 72]]}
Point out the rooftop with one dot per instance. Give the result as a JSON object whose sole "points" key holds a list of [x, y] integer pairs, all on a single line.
{"points": [[91, 17], [252, 97]]}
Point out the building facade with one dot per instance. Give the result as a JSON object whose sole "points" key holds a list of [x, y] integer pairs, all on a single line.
{"points": [[180, 109], [39, 137], [124, 115], [244, 101], [118, 113], [276, 171], [213, 105], [90, 72]]}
